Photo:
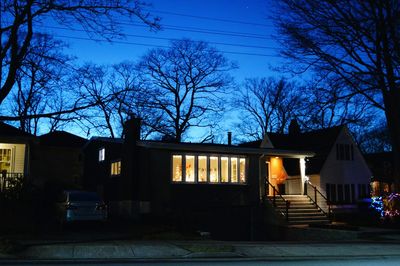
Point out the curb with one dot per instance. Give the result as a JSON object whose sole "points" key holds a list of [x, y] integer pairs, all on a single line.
{"points": [[180, 260]]}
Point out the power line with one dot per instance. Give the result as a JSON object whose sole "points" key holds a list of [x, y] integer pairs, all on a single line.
{"points": [[158, 46], [168, 39], [205, 31], [208, 18], [200, 30]]}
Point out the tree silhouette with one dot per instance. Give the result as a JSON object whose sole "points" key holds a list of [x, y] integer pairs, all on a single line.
{"points": [[20, 21], [185, 84], [356, 42]]}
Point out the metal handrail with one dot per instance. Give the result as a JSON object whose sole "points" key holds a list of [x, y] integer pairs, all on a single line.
{"points": [[275, 193], [315, 201]]}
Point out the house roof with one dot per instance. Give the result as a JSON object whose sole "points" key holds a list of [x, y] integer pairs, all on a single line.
{"points": [[221, 148], [10, 131], [318, 141], [62, 139]]}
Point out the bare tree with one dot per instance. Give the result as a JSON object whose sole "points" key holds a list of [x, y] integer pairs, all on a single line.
{"points": [[267, 104], [91, 82], [325, 107], [19, 21], [37, 80], [132, 98], [357, 41], [186, 82]]}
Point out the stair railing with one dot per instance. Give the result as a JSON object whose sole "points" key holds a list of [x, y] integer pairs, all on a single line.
{"points": [[316, 192], [275, 194]]}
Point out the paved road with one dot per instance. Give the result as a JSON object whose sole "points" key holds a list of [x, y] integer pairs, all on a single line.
{"points": [[381, 261]]}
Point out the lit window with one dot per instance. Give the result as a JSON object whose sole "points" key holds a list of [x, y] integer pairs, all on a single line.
{"points": [[202, 168], [234, 175], [116, 168], [242, 170], [5, 160], [208, 169], [102, 154], [214, 176], [177, 168], [224, 170], [189, 177]]}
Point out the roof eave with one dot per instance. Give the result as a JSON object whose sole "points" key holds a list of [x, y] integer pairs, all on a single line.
{"points": [[224, 149]]}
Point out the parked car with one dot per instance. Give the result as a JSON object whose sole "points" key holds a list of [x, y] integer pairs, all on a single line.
{"points": [[81, 206]]}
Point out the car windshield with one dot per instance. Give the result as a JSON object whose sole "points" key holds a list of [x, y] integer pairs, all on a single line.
{"points": [[84, 196]]}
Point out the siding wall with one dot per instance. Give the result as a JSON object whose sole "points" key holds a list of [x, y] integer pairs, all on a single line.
{"points": [[345, 171], [17, 155]]}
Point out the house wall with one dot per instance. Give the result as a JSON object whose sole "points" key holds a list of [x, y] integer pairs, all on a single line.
{"points": [[345, 171], [97, 175], [18, 156], [164, 196], [58, 165]]}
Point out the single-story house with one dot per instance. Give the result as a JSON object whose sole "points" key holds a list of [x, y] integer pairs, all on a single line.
{"points": [[172, 180]]}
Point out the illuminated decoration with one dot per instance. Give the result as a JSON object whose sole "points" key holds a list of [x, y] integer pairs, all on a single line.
{"points": [[224, 169], [234, 175], [189, 177], [214, 169], [202, 168], [242, 170], [377, 204], [387, 206], [177, 168]]}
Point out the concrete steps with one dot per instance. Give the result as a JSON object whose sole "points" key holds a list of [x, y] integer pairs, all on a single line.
{"points": [[301, 211]]}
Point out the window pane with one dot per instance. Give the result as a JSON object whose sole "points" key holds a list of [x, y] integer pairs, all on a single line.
{"points": [[202, 168], [224, 169], [214, 169], [116, 168], [234, 175], [242, 170], [177, 168], [102, 154], [189, 168]]}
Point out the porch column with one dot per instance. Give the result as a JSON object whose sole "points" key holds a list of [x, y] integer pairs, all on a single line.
{"points": [[302, 173]]}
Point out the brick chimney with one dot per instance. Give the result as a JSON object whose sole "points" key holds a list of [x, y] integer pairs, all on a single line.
{"points": [[294, 128], [229, 138], [132, 129]]}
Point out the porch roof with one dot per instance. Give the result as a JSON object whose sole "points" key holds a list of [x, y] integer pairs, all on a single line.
{"points": [[220, 148]]}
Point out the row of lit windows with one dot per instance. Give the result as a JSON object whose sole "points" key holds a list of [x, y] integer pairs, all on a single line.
{"points": [[212, 169]]}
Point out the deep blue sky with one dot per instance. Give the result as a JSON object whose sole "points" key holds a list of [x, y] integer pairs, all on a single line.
{"points": [[247, 19], [241, 29]]}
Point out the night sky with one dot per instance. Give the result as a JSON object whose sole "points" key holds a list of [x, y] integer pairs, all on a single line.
{"points": [[239, 28]]}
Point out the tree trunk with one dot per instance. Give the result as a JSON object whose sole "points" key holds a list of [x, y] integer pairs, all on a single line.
{"points": [[392, 113]]}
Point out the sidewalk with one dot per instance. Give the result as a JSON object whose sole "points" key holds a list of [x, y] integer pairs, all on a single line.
{"points": [[167, 250], [387, 244]]}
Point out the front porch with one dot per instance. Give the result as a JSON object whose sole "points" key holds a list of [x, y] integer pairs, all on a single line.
{"points": [[294, 198]]}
